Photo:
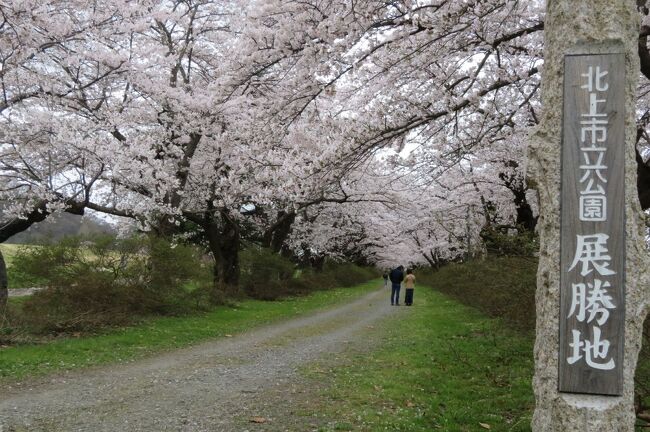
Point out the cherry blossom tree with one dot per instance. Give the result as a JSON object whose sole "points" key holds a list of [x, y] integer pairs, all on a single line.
{"points": [[53, 59], [166, 129], [155, 118], [258, 116]]}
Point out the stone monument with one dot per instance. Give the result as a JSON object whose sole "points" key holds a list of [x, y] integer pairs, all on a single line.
{"points": [[592, 280]]}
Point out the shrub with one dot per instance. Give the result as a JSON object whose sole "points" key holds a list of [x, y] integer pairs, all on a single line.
{"points": [[91, 283], [347, 274], [499, 286], [19, 279], [499, 242], [103, 281], [266, 275]]}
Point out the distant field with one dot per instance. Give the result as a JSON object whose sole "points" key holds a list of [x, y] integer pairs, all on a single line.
{"points": [[16, 279], [9, 251]]}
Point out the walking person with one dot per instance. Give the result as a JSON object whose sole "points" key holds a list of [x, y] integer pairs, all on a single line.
{"points": [[396, 277], [385, 276], [409, 285]]}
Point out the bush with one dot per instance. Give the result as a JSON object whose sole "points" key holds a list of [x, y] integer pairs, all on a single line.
{"points": [[335, 275], [266, 275], [19, 279], [103, 281], [499, 286], [92, 283], [500, 242], [347, 274]]}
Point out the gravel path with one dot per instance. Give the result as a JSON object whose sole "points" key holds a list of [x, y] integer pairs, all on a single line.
{"points": [[21, 292], [216, 386]]}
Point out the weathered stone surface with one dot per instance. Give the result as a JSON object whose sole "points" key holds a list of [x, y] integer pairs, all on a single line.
{"points": [[574, 26]]}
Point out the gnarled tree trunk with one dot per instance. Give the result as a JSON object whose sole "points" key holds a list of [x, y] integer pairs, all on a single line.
{"points": [[224, 241], [277, 234], [526, 220]]}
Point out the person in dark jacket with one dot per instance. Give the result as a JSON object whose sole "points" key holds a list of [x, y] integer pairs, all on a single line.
{"points": [[385, 276], [396, 277]]}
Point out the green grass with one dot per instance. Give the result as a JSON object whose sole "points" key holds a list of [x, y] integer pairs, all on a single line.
{"points": [[441, 366], [160, 334]]}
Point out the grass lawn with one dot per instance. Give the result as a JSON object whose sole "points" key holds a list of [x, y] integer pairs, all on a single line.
{"points": [[442, 366], [159, 334]]}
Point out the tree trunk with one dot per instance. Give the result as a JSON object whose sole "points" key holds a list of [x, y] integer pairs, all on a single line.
{"points": [[569, 26], [4, 293], [224, 242], [643, 182], [468, 234], [431, 262], [317, 262], [436, 258], [278, 233], [526, 221]]}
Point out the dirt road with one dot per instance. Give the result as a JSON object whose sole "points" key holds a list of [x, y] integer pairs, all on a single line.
{"points": [[217, 386], [21, 292]]}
